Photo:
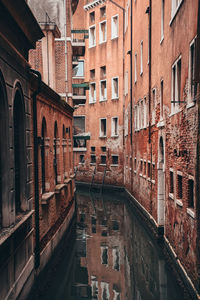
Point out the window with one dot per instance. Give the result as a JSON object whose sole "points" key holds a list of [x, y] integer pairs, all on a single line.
{"points": [[141, 166], [43, 162], [144, 169], [92, 17], [142, 114], [103, 71], [114, 159], [103, 11], [93, 159], [103, 128], [78, 70], [175, 6], [102, 32], [114, 126], [161, 100], [180, 186], [149, 170], [145, 112], [176, 86], [162, 19], [135, 68], [92, 36], [105, 291], [115, 88], [78, 91], [192, 84], [126, 83], [55, 153], [114, 27], [92, 93], [116, 259], [153, 106], [92, 74], [104, 255], [153, 171], [191, 193], [103, 159], [93, 149], [103, 149], [103, 90], [135, 164], [79, 124], [171, 187], [141, 58], [81, 159]]}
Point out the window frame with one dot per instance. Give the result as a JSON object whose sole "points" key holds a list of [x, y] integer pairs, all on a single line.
{"points": [[113, 96], [94, 44], [112, 127], [101, 99], [95, 97], [101, 41], [100, 132], [112, 34]]}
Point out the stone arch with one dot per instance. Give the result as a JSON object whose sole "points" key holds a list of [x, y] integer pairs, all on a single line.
{"points": [[19, 149], [4, 155]]}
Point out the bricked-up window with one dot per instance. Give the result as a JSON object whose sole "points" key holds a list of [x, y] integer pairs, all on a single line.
{"points": [[115, 159], [81, 158], [103, 90], [192, 84], [171, 187], [102, 32], [92, 93], [103, 149], [162, 19], [141, 58], [114, 27], [92, 74], [191, 193], [103, 11], [93, 149], [161, 99], [103, 159], [92, 17], [93, 159], [180, 186], [176, 86], [92, 36], [78, 70], [114, 126], [115, 88], [103, 71], [175, 5], [103, 128]]}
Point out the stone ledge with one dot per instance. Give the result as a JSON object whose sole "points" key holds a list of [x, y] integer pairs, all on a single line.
{"points": [[59, 187], [72, 176], [46, 197], [67, 180]]}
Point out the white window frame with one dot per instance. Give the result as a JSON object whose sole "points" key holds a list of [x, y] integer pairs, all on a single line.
{"points": [[190, 95], [77, 77], [174, 8], [92, 99], [90, 44], [101, 98], [113, 127], [100, 132], [141, 58], [153, 106], [175, 106], [113, 93], [101, 40], [161, 99], [145, 112], [114, 35], [162, 20]]}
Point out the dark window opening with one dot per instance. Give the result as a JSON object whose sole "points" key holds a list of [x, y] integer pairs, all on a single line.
{"points": [[180, 191], [104, 256], [92, 16], [103, 71], [103, 128], [103, 11], [93, 159], [92, 74], [171, 182], [103, 159], [149, 170], [93, 220], [103, 149], [93, 149], [115, 160], [82, 158], [115, 225], [190, 193], [43, 154]]}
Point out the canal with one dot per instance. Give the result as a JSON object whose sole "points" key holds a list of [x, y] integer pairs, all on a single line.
{"points": [[110, 255]]}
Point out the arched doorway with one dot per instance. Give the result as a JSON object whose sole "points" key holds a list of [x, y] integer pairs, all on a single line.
{"points": [[19, 151], [4, 156], [161, 183]]}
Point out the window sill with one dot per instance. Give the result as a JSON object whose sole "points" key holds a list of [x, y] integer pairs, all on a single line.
{"points": [[141, 73], [135, 171], [115, 136], [92, 102], [103, 42], [78, 77], [175, 13], [115, 98], [103, 137], [46, 197], [114, 165], [103, 100], [140, 174], [171, 196], [114, 38], [67, 181], [179, 202], [102, 165], [92, 164], [59, 187], [72, 176], [161, 124], [191, 104], [162, 39], [90, 47], [79, 149], [153, 181], [191, 213], [174, 113]]}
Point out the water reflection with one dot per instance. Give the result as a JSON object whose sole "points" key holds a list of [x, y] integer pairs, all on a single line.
{"points": [[114, 257]]}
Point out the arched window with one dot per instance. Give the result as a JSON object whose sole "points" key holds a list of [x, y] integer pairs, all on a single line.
{"points": [[64, 150], [55, 152], [19, 150], [161, 150], [43, 154], [4, 155]]}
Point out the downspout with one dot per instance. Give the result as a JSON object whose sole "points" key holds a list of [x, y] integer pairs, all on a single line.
{"points": [[36, 185], [197, 79]]}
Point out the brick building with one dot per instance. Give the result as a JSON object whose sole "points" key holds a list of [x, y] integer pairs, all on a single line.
{"points": [[16, 163]]}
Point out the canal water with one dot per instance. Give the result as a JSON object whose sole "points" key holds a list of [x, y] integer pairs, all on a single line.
{"points": [[110, 255]]}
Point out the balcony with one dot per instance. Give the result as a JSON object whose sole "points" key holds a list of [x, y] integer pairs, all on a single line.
{"points": [[78, 41]]}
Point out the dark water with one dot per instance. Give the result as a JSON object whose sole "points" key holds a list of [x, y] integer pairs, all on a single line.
{"points": [[110, 256]]}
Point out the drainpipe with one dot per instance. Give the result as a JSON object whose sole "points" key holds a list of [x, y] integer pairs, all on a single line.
{"points": [[36, 186], [197, 78]]}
